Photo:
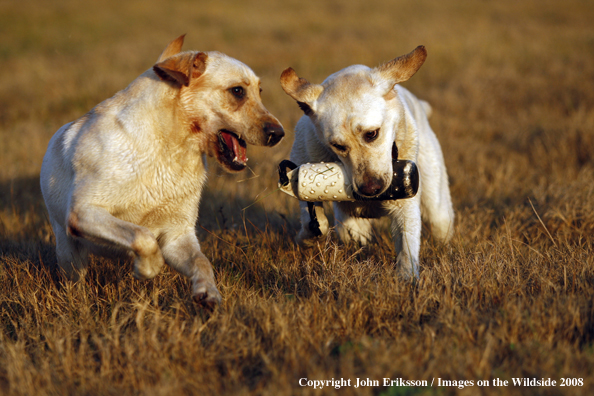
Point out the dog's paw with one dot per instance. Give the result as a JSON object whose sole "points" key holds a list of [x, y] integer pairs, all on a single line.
{"points": [[73, 274], [350, 236], [408, 269], [306, 239], [148, 267], [207, 296]]}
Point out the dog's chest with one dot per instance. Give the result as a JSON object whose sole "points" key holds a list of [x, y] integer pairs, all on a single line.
{"points": [[366, 210], [161, 189]]}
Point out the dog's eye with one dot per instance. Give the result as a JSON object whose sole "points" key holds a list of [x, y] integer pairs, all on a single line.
{"points": [[238, 92], [339, 147], [371, 135]]}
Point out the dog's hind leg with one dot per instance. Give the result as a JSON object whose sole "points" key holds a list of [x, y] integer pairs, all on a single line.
{"points": [[436, 205], [441, 218], [436, 202], [406, 232], [183, 254], [350, 228], [96, 225], [73, 257]]}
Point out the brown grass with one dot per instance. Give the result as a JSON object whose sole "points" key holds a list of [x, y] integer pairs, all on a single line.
{"points": [[511, 83]]}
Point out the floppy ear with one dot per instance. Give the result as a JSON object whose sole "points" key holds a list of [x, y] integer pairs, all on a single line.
{"points": [[301, 90], [402, 68], [173, 48], [181, 68]]}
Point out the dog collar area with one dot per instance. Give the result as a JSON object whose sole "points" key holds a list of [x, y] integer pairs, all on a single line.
{"points": [[326, 181]]}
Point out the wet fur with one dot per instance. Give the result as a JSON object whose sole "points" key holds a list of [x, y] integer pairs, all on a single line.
{"points": [[126, 178]]}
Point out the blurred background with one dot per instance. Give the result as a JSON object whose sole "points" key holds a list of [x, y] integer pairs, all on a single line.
{"points": [[511, 86], [509, 81]]}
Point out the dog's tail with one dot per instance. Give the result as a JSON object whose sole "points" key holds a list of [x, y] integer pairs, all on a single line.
{"points": [[426, 107]]}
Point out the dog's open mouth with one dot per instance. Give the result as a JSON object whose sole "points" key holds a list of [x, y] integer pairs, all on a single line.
{"points": [[232, 150]]}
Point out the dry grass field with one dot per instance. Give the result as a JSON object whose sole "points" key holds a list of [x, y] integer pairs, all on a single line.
{"points": [[512, 88]]}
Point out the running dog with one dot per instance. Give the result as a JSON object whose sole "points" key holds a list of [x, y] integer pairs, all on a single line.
{"points": [[127, 177], [362, 118]]}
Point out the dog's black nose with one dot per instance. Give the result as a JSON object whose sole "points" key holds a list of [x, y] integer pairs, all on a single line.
{"points": [[274, 133], [371, 187]]}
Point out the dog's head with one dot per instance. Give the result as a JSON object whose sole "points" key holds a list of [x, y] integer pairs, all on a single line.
{"points": [[357, 114], [221, 99]]}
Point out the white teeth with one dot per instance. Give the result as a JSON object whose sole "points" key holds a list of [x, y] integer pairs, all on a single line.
{"points": [[236, 159]]}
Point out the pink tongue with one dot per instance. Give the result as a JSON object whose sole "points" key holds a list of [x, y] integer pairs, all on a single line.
{"points": [[240, 152]]}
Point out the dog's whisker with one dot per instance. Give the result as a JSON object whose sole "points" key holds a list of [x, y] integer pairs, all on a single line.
{"points": [[249, 178]]}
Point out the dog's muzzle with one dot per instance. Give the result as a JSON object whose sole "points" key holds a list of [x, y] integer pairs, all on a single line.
{"points": [[370, 187]]}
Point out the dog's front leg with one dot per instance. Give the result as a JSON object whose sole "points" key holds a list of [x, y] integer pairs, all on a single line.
{"points": [[406, 232], [351, 228], [311, 229], [97, 225], [183, 254]]}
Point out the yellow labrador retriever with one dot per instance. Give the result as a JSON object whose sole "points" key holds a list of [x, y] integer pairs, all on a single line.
{"points": [[362, 118], [127, 176]]}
